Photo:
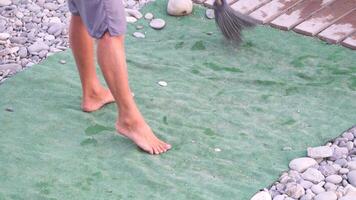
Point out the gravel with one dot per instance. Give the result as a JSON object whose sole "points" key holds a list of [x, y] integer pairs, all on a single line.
{"points": [[327, 173], [32, 30]]}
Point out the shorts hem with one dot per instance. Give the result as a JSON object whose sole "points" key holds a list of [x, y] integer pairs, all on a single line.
{"points": [[112, 33]]}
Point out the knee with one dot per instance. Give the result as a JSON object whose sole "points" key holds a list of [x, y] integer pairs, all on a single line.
{"points": [[107, 37]]}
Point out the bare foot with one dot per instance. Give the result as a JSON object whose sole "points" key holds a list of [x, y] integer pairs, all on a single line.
{"points": [[97, 100], [141, 134]]}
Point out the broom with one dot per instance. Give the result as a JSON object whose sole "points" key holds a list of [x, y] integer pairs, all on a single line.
{"points": [[231, 22]]}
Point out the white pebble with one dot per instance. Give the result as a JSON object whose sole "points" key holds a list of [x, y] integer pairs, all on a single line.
{"points": [[162, 83]]}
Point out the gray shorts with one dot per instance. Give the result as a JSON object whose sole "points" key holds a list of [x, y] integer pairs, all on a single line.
{"points": [[100, 16]]}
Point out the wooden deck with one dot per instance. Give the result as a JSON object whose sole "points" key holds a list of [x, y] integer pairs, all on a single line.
{"points": [[333, 21]]}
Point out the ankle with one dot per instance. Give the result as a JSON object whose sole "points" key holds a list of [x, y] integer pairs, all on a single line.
{"points": [[94, 91]]}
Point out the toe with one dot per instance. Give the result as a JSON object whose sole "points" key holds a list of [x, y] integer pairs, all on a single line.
{"points": [[167, 146], [156, 151], [163, 147]]}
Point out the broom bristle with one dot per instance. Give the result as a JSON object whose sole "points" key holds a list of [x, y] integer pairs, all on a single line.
{"points": [[231, 22]]}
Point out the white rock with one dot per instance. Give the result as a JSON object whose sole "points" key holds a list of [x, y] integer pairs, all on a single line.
{"points": [[209, 13], [56, 29], [330, 186], [149, 16], [37, 47], [133, 13], [344, 171], [138, 35], [339, 152], [217, 149], [351, 165], [130, 19], [301, 164], [22, 52], [5, 2], [294, 190], [54, 20], [306, 184], [313, 175], [336, 179], [263, 195], [14, 49], [326, 196], [162, 83], [351, 177], [320, 152], [4, 36], [179, 7], [19, 14], [157, 24], [349, 196], [317, 189], [51, 6], [279, 197], [12, 68]]}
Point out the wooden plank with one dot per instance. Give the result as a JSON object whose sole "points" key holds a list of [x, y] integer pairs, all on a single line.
{"points": [[299, 13], [340, 29], [273, 9], [350, 42], [248, 6], [325, 17]]}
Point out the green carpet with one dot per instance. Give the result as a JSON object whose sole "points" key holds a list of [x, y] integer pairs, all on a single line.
{"points": [[279, 89]]}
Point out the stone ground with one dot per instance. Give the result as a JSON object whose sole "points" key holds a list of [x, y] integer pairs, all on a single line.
{"points": [[327, 173], [31, 30]]}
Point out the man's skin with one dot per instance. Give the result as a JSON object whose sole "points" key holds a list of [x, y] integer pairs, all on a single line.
{"points": [[112, 61]]}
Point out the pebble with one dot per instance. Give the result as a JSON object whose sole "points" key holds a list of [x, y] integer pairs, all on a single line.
{"points": [[5, 3], [51, 6], [336, 179], [339, 152], [351, 177], [22, 52], [306, 184], [262, 195], [4, 36], [162, 83], [37, 47], [294, 190], [157, 24], [179, 7], [313, 175], [130, 19], [209, 13], [138, 35], [62, 62], [327, 170], [344, 171], [217, 149], [351, 165], [12, 68], [149, 16], [330, 195], [139, 27], [317, 189], [301, 164], [56, 29], [320, 152], [134, 13]]}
